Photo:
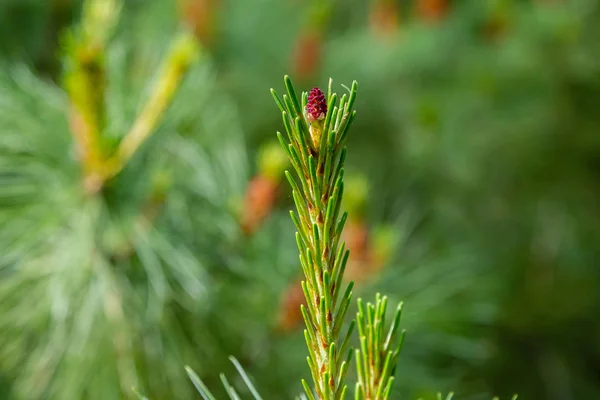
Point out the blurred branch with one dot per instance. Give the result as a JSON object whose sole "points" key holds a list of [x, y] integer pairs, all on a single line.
{"points": [[183, 53], [207, 395], [85, 83]]}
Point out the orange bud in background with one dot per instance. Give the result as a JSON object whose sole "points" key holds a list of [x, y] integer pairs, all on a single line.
{"points": [[356, 236], [307, 54], [308, 50], [258, 203], [432, 10], [370, 249], [261, 193], [290, 316], [384, 17], [356, 231], [200, 16]]}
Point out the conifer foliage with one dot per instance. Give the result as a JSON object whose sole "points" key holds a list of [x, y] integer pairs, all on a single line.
{"points": [[317, 128], [107, 238], [133, 243]]}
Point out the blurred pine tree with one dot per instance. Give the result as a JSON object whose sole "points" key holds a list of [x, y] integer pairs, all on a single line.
{"points": [[100, 288]]}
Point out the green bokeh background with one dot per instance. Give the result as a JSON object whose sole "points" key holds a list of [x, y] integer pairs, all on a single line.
{"points": [[482, 156]]}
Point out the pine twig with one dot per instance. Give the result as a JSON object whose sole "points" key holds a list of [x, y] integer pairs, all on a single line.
{"points": [[378, 354], [317, 127], [85, 82], [184, 51]]}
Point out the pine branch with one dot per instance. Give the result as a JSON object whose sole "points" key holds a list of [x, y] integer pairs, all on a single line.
{"points": [[183, 53], [85, 82], [80, 322], [378, 354], [316, 129]]}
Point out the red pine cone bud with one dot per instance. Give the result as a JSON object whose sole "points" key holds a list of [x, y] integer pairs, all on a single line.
{"points": [[316, 107]]}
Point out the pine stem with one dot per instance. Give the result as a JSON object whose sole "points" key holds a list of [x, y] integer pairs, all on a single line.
{"points": [[85, 83], [182, 54], [378, 355], [312, 146]]}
